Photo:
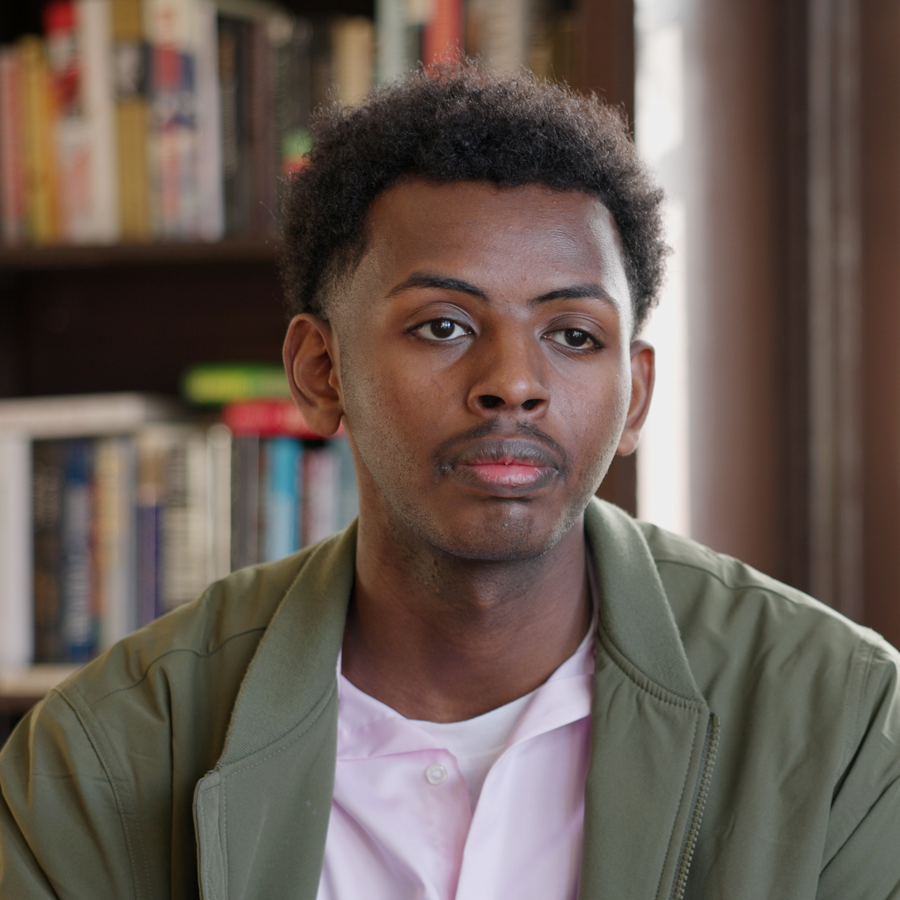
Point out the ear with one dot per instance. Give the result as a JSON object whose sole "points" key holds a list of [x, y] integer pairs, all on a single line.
{"points": [[312, 371], [643, 372]]}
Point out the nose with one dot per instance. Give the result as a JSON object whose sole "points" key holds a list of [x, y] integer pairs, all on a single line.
{"points": [[510, 375]]}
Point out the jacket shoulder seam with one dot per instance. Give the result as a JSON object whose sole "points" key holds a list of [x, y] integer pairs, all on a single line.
{"points": [[88, 704], [751, 585]]}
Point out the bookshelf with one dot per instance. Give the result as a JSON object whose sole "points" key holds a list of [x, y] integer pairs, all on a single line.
{"points": [[134, 316]]}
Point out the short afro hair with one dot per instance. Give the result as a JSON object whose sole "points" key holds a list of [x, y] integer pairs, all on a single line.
{"points": [[463, 123]]}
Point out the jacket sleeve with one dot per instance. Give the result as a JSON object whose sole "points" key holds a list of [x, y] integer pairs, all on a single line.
{"points": [[862, 851], [61, 834]]}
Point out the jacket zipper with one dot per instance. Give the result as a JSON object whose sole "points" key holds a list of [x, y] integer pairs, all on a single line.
{"points": [[699, 803]]}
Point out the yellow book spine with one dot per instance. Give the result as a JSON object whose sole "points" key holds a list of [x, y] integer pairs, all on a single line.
{"points": [[40, 112], [132, 120]]}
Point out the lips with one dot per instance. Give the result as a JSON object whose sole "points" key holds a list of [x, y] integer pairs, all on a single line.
{"points": [[507, 467]]}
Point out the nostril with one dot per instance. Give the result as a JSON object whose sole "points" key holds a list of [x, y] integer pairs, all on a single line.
{"points": [[529, 405], [489, 401]]}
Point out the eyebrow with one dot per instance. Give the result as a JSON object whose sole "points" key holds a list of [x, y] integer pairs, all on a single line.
{"points": [[573, 292]]}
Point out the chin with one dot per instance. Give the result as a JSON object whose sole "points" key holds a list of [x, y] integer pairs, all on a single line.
{"points": [[510, 540]]}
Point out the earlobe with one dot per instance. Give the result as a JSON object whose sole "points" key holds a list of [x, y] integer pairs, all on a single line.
{"points": [[311, 366], [643, 371]]}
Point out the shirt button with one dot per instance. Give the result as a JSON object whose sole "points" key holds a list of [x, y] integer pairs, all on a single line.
{"points": [[436, 774]]}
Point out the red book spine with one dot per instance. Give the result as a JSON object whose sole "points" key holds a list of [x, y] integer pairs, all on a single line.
{"points": [[267, 418], [442, 41]]}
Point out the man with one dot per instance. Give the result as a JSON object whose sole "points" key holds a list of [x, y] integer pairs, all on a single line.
{"points": [[492, 685]]}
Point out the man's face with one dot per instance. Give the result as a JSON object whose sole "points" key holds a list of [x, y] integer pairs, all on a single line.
{"points": [[483, 365]]}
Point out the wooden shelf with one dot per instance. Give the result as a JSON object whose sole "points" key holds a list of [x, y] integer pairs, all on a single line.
{"points": [[230, 250], [20, 689]]}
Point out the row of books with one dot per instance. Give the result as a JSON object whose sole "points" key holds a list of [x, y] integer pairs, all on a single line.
{"points": [[107, 522], [139, 120]]}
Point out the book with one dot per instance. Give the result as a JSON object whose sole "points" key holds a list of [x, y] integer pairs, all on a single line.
{"points": [[266, 418], [442, 39], [245, 493], [500, 32], [171, 33], [353, 53], [71, 135], [17, 633], [219, 502], [78, 618], [283, 498], [84, 414], [321, 493], [40, 157], [48, 481], [116, 538], [393, 58], [94, 21], [13, 176], [218, 383], [132, 119], [234, 103], [210, 196]]}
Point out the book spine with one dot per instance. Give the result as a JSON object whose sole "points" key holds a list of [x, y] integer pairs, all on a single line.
{"points": [[13, 176], [504, 28], [320, 493], [234, 90], [348, 494], [116, 537], [94, 18], [16, 635], [149, 527], [65, 55], [267, 418], [245, 498], [184, 562], [173, 130], [393, 57], [42, 189], [284, 473], [130, 66], [78, 595], [210, 199], [353, 49], [262, 127], [48, 482], [219, 450], [443, 36]]}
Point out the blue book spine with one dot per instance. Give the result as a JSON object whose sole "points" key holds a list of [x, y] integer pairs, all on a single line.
{"points": [[79, 625], [285, 456]]}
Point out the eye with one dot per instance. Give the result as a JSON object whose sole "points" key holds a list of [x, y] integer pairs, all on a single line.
{"points": [[574, 338], [440, 330]]}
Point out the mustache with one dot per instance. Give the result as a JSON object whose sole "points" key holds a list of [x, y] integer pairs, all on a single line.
{"points": [[493, 442]]}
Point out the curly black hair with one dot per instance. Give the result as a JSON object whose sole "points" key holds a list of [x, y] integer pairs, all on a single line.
{"points": [[456, 123]]}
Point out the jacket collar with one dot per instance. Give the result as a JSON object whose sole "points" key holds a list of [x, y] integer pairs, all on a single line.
{"points": [[650, 733], [296, 661]]}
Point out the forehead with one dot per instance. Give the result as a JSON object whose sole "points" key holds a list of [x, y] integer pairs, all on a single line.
{"points": [[500, 235]]}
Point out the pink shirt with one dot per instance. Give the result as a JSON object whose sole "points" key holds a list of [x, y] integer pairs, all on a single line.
{"points": [[403, 826]]}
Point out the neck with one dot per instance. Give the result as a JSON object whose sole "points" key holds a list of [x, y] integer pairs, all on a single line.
{"points": [[445, 639]]}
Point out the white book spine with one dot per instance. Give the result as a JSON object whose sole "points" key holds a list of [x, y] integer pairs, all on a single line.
{"points": [[218, 496], [94, 19], [392, 45], [211, 201], [16, 631], [116, 536]]}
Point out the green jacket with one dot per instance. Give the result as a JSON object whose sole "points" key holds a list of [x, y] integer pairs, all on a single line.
{"points": [[745, 743]]}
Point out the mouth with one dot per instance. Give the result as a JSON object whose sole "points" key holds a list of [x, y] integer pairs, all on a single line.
{"points": [[511, 467]]}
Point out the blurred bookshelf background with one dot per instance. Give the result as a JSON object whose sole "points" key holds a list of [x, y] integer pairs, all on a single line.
{"points": [[147, 442], [141, 146]]}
